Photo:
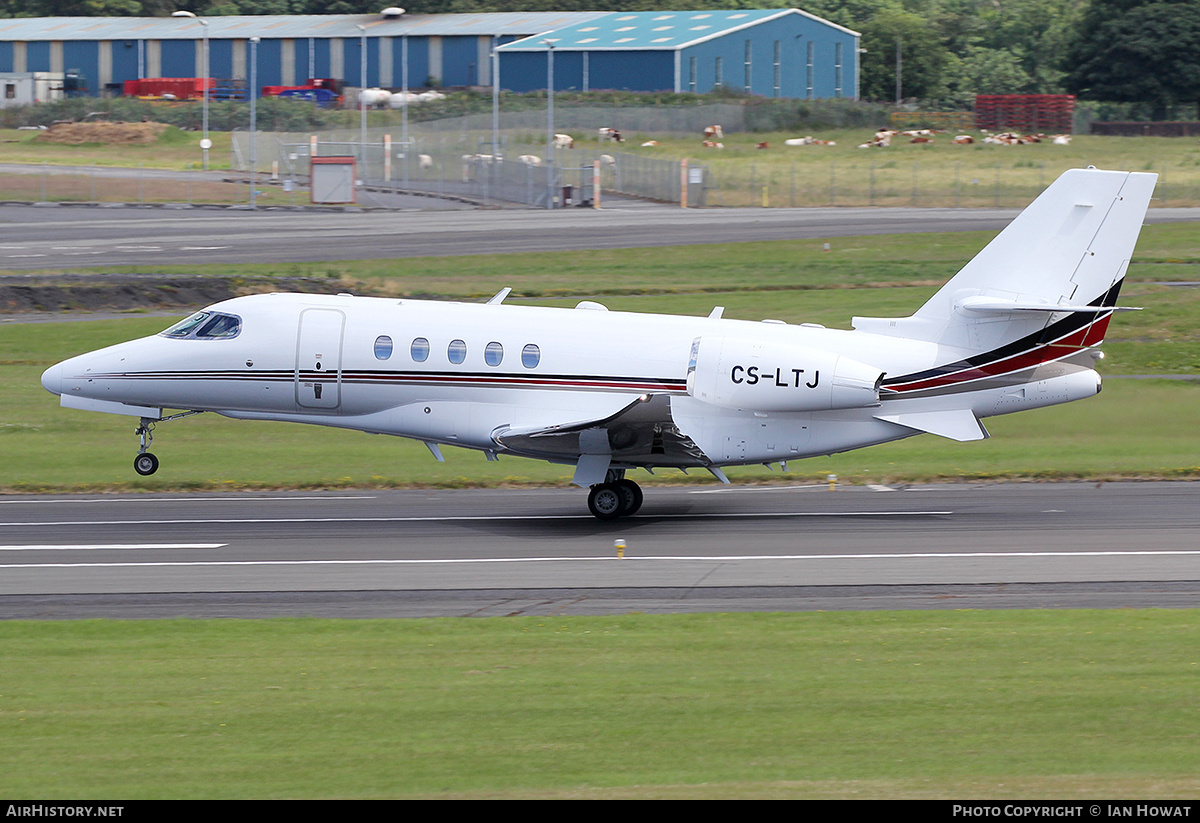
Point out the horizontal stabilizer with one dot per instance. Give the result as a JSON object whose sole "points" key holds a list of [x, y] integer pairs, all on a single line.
{"points": [[955, 424], [991, 304]]}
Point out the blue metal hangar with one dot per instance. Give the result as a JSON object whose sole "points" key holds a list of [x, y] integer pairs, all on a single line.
{"points": [[773, 53], [782, 53]]}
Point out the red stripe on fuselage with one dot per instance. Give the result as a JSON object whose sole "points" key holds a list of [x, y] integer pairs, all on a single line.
{"points": [[1048, 353]]}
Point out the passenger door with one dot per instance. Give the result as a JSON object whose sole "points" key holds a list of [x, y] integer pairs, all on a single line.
{"points": [[319, 359]]}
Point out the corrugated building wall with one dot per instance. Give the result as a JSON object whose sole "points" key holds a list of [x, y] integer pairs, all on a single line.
{"points": [[783, 53]]}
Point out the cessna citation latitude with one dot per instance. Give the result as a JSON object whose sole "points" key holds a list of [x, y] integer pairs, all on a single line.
{"points": [[606, 392]]}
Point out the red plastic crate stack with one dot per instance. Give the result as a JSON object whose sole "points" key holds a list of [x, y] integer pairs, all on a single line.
{"points": [[1025, 112], [179, 88]]}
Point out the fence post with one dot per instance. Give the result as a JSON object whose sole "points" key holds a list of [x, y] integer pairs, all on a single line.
{"points": [[595, 184], [387, 158], [683, 183]]}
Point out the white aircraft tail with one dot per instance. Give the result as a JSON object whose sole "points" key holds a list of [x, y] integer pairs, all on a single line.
{"points": [[1042, 290]]}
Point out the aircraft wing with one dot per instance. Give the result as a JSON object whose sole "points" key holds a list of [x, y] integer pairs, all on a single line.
{"points": [[640, 432]]}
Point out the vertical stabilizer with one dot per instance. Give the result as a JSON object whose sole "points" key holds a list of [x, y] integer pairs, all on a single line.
{"points": [[1061, 258]]}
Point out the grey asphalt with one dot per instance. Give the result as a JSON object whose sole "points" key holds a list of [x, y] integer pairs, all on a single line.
{"points": [[70, 237], [697, 548]]}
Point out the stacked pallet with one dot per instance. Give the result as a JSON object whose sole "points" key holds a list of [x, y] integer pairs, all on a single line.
{"points": [[1025, 112]]}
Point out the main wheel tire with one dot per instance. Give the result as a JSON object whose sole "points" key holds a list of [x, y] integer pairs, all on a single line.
{"points": [[605, 501], [631, 496], [145, 463]]}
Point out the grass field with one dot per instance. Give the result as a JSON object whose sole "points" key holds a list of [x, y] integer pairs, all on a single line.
{"points": [[956, 704]]}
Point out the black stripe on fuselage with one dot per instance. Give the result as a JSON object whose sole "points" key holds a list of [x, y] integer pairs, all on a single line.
{"points": [[1063, 328]]}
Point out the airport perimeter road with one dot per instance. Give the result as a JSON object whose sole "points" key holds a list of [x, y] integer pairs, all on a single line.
{"points": [[67, 237], [703, 548]]}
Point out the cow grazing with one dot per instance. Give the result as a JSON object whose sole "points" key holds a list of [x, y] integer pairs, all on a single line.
{"points": [[564, 141], [808, 141], [714, 133], [607, 133]]}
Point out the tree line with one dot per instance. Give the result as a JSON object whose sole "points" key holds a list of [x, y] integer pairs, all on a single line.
{"points": [[936, 53]]}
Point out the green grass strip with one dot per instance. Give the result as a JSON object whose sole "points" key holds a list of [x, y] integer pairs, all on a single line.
{"points": [[918, 704]]}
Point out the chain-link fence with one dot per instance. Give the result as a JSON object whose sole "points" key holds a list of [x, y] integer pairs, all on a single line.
{"points": [[482, 159], [468, 166]]}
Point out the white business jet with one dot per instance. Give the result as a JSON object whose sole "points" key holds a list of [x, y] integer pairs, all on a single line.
{"points": [[607, 392]]}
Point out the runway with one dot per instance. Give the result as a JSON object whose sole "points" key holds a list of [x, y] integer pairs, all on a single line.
{"points": [[76, 237], [696, 548]]}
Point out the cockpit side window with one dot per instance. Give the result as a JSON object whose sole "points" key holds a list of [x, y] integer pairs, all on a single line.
{"points": [[221, 325], [185, 327], [206, 325]]}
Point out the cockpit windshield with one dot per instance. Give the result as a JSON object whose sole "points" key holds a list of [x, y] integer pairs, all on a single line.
{"points": [[206, 325]]}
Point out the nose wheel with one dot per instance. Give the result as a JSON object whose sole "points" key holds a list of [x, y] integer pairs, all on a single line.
{"points": [[145, 463], [620, 498]]}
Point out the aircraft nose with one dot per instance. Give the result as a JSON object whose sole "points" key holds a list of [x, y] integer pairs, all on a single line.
{"points": [[52, 379]]}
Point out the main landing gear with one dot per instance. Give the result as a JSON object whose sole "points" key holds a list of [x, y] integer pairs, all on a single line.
{"points": [[615, 498]]}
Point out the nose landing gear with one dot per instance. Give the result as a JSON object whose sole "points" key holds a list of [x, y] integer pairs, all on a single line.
{"points": [[146, 463]]}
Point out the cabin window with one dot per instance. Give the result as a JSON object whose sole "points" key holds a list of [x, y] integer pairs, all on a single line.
{"points": [[456, 352], [383, 347], [420, 350], [493, 354], [531, 355]]}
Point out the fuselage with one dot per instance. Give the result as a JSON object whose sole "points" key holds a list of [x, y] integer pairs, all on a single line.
{"points": [[508, 378]]}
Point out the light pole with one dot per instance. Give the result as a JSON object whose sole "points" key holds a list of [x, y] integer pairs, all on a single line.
{"points": [[495, 101], [404, 96], [549, 124], [253, 114], [205, 143], [362, 98]]}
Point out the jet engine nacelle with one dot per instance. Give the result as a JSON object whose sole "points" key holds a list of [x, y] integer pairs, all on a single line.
{"points": [[746, 374]]}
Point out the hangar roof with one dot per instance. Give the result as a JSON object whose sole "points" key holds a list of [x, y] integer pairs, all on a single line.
{"points": [[646, 30], [289, 26]]}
